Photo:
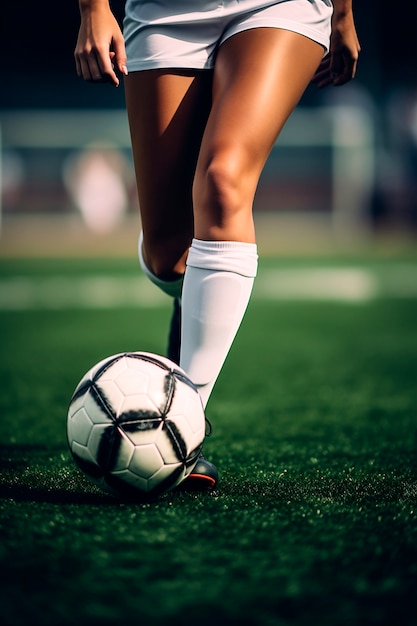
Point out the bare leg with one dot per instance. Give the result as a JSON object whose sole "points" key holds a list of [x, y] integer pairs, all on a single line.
{"points": [[259, 77], [167, 112]]}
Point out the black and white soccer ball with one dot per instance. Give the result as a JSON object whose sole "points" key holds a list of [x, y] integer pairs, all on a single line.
{"points": [[136, 424]]}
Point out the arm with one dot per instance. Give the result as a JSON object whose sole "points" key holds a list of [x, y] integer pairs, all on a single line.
{"points": [[100, 46], [339, 66]]}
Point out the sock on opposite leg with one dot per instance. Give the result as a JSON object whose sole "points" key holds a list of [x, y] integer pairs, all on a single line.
{"points": [[172, 288]]}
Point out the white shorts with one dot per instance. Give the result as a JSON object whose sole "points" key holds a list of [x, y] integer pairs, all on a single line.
{"points": [[173, 34]]}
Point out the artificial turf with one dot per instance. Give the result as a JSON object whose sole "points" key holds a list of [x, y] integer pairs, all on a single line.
{"points": [[314, 519]]}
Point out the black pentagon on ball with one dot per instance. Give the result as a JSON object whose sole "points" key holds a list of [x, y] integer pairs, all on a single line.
{"points": [[109, 448], [176, 439], [139, 420]]}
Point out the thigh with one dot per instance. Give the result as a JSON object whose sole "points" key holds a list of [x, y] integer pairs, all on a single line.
{"points": [[167, 111], [259, 77]]}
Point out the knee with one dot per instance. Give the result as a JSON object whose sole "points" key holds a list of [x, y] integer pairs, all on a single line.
{"points": [[223, 195], [218, 185], [164, 255]]}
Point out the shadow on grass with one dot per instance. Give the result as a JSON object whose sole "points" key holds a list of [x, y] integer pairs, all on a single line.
{"points": [[37, 473], [47, 474], [24, 493]]}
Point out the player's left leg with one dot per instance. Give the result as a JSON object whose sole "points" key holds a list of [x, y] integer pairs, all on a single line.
{"points": [[259, 76]]}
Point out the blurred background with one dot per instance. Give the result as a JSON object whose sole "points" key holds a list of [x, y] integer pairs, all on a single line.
{"points": [[343, 171]]}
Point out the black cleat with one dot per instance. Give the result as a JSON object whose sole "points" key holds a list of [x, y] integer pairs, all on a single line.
{"points": [[204, 476], [174, 337]]}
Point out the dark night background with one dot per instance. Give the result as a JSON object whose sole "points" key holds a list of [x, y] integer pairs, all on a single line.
{"points": [[37, 42]]}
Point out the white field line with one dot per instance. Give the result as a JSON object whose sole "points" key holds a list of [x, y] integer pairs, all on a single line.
{"points": [[90, 292], [344, 285]]}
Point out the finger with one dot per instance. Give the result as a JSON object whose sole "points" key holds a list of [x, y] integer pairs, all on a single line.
{"points": [[324, 82], [354, 67], [325, 62], [120, 55], [105, 66], [91, 71], [337, 66], [81, 64], [322, 78], [84, 69], [320, 74], [77, 66], [347, 72], [322, 69], [324, 65], [96, 72]]}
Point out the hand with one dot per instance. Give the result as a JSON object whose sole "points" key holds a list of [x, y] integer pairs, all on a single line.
{"points": [[339, 66], [100, 47]]}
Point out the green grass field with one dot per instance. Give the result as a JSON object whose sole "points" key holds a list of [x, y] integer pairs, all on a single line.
{"points": [[314, 522]]}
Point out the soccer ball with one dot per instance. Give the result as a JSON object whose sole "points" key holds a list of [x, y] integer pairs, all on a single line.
{"points": [[136, 424]]}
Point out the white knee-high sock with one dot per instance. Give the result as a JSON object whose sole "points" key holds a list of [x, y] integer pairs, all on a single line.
{"points": [[172, 288], [217, 286]]}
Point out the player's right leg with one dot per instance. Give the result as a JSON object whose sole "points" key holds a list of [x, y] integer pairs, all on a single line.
{"points": [[167, 112]]}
